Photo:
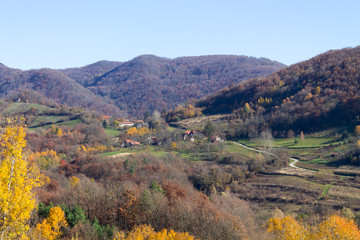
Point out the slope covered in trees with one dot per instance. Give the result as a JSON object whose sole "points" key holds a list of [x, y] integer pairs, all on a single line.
{"points": [[55, 85], [311, 95], [149, 83], [146, 83], [83, 74]]}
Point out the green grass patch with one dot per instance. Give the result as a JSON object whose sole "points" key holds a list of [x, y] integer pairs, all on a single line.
{"points": [[18, 108], [318, 161], [70, 123], [171, 129], [45, 120], [235, 148], [112, 132], [325, 190], [308, 142]]}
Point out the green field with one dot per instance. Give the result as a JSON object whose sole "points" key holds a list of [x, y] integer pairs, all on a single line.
{"points": [[311, 148], [234, 148], [18, 108], [70, 123], [296, 143], [112, 132], [40, 120]]}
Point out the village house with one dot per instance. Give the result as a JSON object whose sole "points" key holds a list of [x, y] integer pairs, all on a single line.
{"points": [[334, 154], [106, 119], [139, 123], [155, 141], [126, 124], [216, 138], [130, 143], [191, 135]]}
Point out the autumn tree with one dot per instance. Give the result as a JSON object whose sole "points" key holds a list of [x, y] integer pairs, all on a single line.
{"points": [[336, 227], [287, 228], [333, 228], [147, 232], [209, 129], [18, 178], [59, 132], [357, 130], [49, 228]]}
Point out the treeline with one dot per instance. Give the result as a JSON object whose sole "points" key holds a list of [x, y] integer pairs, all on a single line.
{"points": [[316, 94], [149, 83], [55, 85]]}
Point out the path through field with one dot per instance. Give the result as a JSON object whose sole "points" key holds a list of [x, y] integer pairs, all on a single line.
{"points": [[286, 170]]}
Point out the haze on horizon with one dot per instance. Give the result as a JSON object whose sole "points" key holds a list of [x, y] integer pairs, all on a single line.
{"points": [[39, 34]]}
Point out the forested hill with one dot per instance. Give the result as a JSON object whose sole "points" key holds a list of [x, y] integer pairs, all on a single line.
{"points": [[149, 83], [323, 91], [88, 72], [54, 85], [146, 83]]}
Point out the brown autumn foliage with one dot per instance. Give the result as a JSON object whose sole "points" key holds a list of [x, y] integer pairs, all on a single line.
{"points": [[149, 83], [315, 94], [146, 83], [143, 189], [55, 85]]}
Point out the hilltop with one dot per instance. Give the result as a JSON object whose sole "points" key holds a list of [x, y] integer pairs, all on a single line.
{"points": [[83, 74], [312, 95], [149, 83], [55, 85], [144, 84]]}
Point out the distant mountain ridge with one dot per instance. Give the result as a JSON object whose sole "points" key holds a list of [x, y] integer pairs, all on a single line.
{"points": [[149, 83], [146, 83], [54, 85], [315, 94], [83, 74]]}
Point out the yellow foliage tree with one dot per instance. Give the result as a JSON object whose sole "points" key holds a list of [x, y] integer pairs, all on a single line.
{"points": [[74, 181], [132, 131], [45, 159], [53, 129], [137, 132], [357, 130], [17, 180], [333, 228], [49, 229], [336, 227], [173, 145], [59, 132], [287, 228], [145, 232], [357, 144]]}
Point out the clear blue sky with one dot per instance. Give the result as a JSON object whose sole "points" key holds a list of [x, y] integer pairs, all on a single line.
{"points": [[64, 33]]}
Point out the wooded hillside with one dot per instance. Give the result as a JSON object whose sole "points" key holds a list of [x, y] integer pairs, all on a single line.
{"points": [[314, 94]]}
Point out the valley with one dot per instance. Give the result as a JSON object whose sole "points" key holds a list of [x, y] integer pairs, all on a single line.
{"points": [[223, 166]]}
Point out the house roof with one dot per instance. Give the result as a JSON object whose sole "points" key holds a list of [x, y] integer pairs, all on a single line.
{"points": [[189, 132], [106, 117], [132, 142]]}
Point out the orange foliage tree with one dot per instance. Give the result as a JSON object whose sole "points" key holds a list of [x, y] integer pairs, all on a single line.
{"points": [[49, 229], [138, 131], [333, 228], [45, 159], [146, 232]]}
